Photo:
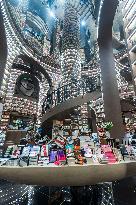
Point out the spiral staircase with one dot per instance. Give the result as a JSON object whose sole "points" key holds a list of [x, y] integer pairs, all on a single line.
{"points": [[61, 103]]}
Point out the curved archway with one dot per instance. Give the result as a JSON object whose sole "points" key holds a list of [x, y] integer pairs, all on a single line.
{"points": [[27, 69], [3, 48], [33, 66]]}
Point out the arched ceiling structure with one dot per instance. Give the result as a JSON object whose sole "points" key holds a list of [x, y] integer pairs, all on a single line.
{"points": [[30, 65]]}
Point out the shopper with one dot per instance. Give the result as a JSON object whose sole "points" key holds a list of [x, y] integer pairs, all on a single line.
{"points": [[65, 92], [49, 98], [43, 108]]}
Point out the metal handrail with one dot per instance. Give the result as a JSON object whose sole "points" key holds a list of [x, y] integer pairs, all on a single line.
{"points": [[68, 91]]}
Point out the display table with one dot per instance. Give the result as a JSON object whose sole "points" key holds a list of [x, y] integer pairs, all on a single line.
{"points": [[76, 175]]}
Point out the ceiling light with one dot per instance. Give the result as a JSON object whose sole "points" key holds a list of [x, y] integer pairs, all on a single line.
{"points": [[62, 1], [83, 23], [51, 14]]}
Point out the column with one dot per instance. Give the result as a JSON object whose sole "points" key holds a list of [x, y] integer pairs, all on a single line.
{"points": [[112, 106], [71, 64]]}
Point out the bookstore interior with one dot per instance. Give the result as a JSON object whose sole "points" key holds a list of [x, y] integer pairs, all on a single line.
{"points": [[67, 84]]}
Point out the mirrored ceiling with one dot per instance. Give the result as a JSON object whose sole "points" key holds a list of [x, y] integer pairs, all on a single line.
{"points": [[41, 23]]}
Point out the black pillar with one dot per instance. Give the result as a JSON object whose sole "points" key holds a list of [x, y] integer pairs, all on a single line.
{"points": [[112, 107]]}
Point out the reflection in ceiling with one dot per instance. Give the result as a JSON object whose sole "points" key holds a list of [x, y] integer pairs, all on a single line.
{"points": [[40, 20]]}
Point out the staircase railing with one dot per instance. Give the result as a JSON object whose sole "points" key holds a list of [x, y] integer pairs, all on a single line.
{"points": [[68, 91]]}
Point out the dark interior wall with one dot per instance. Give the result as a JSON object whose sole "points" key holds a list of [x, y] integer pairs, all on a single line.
{"points": [[3, 48]]}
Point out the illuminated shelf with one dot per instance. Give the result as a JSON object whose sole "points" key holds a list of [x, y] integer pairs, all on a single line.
{"points": [[128, 9], [132, 34], [131, 21], [134, 63]]}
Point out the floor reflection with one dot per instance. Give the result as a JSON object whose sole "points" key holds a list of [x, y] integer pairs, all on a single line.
{"points": [[118, 193], [125, 191]]}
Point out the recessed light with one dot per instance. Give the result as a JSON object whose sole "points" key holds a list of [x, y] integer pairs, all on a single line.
{"points": [[83, 23], [51, 14]]}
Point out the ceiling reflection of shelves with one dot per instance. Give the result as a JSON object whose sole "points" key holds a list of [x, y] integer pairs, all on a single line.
{"points": [[126, 4], [131, 21], [134, 63], [133, 49], [132, 34], [129, 10]]}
